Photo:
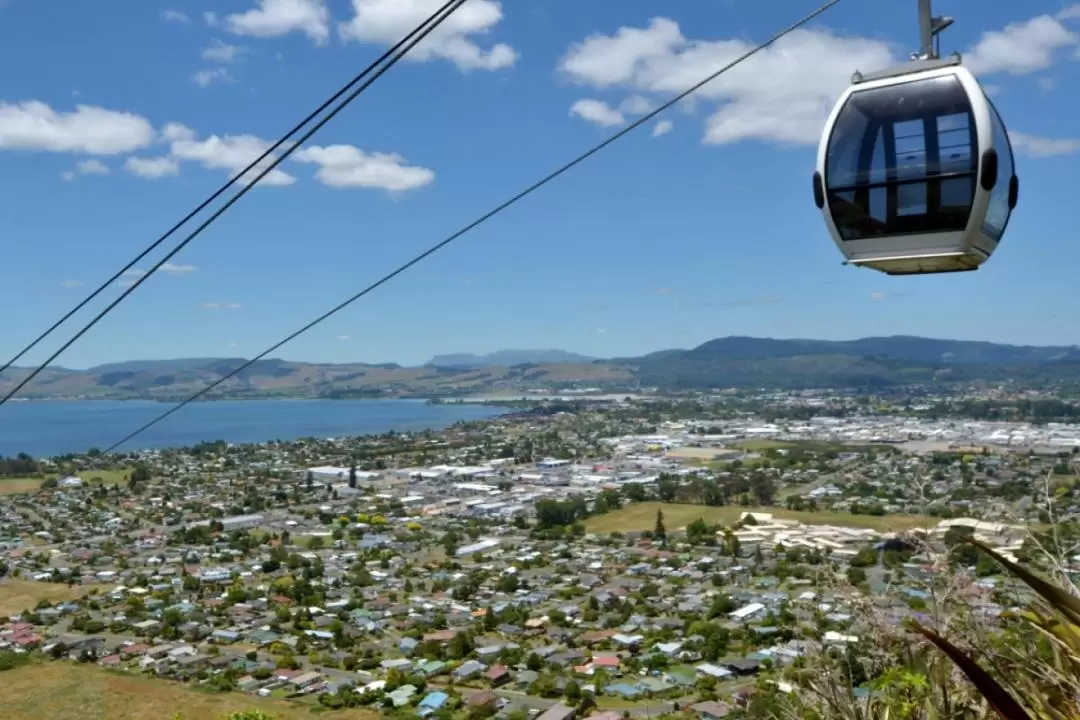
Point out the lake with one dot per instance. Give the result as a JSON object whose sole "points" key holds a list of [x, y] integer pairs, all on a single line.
{"points": [[54, 428]]}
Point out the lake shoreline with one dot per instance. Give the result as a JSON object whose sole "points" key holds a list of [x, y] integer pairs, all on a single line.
{"points": [[51, 428]]}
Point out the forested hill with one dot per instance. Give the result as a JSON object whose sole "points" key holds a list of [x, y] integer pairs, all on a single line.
{"points": [[868, 362]]}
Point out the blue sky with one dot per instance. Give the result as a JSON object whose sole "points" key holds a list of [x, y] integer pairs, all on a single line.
{"points": [[123, 115]]}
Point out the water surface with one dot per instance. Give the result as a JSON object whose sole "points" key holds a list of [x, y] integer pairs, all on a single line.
{"points": [[54, 428]]}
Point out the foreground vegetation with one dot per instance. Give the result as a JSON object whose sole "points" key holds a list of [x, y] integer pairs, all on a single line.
{"points": [[66, 691]]}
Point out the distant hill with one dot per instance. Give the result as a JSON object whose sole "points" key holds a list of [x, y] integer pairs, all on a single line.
{"points": [[173, 380], [725, 362], [507, 357], [868, 362]]}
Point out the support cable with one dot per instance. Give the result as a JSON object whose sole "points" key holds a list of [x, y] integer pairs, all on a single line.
{"points": [[386, 60], [479, 221]]}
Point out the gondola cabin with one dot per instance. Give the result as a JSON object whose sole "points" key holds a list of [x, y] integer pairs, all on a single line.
{"points": [[915, 172]]}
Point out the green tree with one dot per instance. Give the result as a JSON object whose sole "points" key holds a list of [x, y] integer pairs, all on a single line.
{"points": [[660, 531]]}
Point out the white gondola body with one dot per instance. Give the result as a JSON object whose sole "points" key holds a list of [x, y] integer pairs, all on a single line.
{"points": [[930, 215]]}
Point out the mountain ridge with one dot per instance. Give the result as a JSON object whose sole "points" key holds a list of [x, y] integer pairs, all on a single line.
{"points": [[507, 357], [734, 361]]}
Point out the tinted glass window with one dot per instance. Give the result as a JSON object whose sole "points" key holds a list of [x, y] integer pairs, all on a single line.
{"points": [[997, 213], [902, 159]]}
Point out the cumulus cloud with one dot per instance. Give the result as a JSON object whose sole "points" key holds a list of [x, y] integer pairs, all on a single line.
{"points": [[219, 51], [174, 269], [89, 130], [345, 166], [662, 128], [597, 112], [784, 93], [229, 152], [86, 167], [1040, 147], [204, 78], [636, 105], [211, 18], [387, 21], [152, 168], [274, 18], [1020, 48], [175, 16]]}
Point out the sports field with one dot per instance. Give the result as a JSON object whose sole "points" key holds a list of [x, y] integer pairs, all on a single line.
{"points": [[642, 516], [17, 485], [17, 596]]}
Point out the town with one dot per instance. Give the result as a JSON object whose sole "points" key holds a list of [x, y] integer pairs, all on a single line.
{"points": [[586, 557]]}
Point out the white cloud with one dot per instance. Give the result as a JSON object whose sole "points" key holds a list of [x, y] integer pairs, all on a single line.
{"points": [[1020, 48], [71, 283], [206, 77], [229, 152], [877, 296], [175, 16], [1041, 147], [176, 131], [347, 166], [219, 51], [784, 93], [130, 277], [342, 337], [221, 306], [601, 331], [152, 168], [91, 167], [597, 112], [211, 18], [274, 18], [86, 167], [662, 128], [387, 21], [33, 125], [636, 105], [174, 269]]}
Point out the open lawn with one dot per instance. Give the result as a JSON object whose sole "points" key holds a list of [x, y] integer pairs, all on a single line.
{"points": [[19, 595], [762, 444], [642, 516], [65, 691], [16, 485]]}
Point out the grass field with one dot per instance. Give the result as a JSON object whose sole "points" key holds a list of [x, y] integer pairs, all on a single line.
{"points": [[813, 445], [64, 691], [642, 516], [19, 595], [14, 486]]}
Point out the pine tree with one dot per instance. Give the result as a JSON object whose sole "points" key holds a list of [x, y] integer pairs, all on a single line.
{"points": [[352, 476], [660, 531]]}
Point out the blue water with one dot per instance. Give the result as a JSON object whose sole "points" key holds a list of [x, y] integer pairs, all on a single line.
{"points": [[54, 428]]}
